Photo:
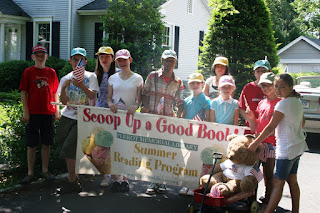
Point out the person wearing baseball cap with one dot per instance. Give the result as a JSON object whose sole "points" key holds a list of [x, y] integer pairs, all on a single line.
{"points": [[265, 111], [105, 67], [219, 68], [162, 92], [252, 94], [196, 107], [38, 86], [225, 108], [79, 91]]}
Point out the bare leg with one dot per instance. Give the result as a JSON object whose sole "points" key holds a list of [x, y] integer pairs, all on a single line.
{"points": [[71, 166], [31, 158], [276, 195], [45, 155], [294, 191], [268, 177]]}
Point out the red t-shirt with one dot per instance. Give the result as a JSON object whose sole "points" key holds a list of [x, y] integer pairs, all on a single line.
{"points": [[41, 85], [253, 95], [265, 110]]}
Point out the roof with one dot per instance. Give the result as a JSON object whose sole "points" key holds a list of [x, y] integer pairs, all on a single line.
{"points": [[312, 41], [102, 5], [9, 7]]}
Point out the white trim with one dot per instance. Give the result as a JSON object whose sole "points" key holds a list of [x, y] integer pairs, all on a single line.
{"points": [[91, 12], [190, 6], [296, 41], [2, 42], [13, 19], [299, 61], [70, 27]]}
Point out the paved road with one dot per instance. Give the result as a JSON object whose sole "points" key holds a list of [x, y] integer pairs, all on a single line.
{"points": [[41, 197]]}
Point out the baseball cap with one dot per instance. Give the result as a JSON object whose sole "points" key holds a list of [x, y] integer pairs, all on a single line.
{"points": [[226, 80], [169, 54], [79, 51], [39, 48], [221, 60], [267, 77], [123, 53], [105, 50], [198, 77], [262, 63]]}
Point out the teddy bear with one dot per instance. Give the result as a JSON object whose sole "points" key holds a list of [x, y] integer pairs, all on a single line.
{"points": [[236, 174]]}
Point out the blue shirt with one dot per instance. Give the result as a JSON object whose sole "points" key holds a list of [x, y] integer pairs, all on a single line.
{"points": [[193, 105], [103, 93], [224, 110]]}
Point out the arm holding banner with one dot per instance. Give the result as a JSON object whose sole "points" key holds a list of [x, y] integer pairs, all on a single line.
{"points": [[145, 95], [111, 105]]}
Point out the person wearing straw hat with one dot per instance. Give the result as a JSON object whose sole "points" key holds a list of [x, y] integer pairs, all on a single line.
{"points": [[252, 94], [72, 90]]}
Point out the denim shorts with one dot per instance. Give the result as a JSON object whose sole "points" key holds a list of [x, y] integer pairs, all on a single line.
{"points": [[67, 137], [40, 125], [285, 167]]}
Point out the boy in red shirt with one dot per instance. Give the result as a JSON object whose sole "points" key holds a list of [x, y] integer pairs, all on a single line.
{"points": [[38, 87], [252, 94]]}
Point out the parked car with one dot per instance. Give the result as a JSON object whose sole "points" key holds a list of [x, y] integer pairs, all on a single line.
{"points": [[309, 89]]}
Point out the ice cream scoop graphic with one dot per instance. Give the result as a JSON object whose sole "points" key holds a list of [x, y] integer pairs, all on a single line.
{"points": [[97, 149]]}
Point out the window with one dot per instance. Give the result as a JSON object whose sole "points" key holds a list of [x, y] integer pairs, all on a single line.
{"points": [[42, 33], [167, 37], [12, 42], [190, 6]]}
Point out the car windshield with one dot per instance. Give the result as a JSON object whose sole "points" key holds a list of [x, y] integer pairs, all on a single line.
{"points": [[311, 82]]}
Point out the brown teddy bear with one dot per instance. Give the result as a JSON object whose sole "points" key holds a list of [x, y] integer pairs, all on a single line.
{"points": [[236, 174]]}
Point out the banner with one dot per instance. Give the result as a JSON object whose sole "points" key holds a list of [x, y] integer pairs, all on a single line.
{"points": [[154, 148]]}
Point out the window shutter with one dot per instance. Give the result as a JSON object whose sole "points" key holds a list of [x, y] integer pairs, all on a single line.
{"points": [[98, 36], [176, 41], [29, 40], [201, 36], [56, 39]]}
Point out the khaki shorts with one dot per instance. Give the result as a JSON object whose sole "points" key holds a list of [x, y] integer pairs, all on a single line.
{"points": [[67, 137]]}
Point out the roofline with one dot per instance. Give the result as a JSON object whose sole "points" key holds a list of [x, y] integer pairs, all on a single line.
{"points": [[91, 12], [296, 41], [12, 17]]}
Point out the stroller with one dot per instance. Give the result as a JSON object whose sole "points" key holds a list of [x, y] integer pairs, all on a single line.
{"points": [[240, 202]]}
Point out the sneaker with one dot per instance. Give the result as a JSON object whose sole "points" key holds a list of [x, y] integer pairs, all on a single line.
{"points": [[70, 187], [152, 188], [161, 189], [115, 187], [124, 186], [27, 179], [190, 193], [183, 191], [48, 176], [106, 181]]}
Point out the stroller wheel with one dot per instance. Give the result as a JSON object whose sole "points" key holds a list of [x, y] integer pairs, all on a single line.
{"points": [[254, 207]]}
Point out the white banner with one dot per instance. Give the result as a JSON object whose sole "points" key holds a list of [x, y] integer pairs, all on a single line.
{"points": [[148, 147]]}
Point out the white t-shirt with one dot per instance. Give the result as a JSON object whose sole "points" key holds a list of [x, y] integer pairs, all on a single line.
{"points": [[125, 91], [235, 171], [213, 87], [77, 95], [290, 138]]}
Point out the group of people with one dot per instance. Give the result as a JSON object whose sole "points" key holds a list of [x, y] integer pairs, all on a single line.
{"points": [[267, 104]]}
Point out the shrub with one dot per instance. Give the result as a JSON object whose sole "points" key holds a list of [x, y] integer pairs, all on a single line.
{"points": [[11, 73]]}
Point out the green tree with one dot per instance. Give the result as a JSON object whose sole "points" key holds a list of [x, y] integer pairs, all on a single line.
{"points": [[136, 25], [308, 16], [240, 30], [284, 19]]}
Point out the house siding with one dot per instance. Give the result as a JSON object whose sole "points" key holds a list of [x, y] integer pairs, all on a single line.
{"points": [[59, 11], [190, 26], [88, 33], [301, 50]]}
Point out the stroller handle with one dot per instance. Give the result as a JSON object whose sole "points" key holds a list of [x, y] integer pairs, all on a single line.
{"points": [[217, 155]]}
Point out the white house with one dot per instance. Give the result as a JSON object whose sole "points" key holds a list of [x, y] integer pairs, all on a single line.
{"points": [[61, 25], [301, 55]]}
